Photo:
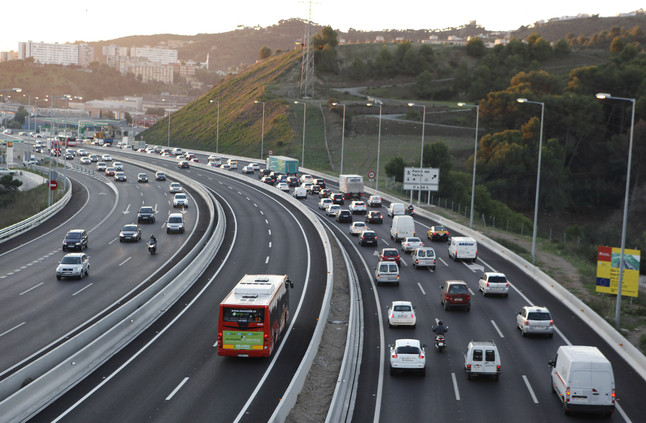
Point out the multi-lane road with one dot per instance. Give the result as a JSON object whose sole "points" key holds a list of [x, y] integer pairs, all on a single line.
{"points": [[172, 372]]}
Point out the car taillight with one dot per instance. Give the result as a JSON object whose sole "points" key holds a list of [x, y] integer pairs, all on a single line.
{"points": [[434, 261], [416, 261], [613, 396], [487, 284], [392, 316], [397, 276], [468, 297], [468, 367], [551, 322], [498, 368], [526, 322], [567, 394], [421, 355], [394, 355]]}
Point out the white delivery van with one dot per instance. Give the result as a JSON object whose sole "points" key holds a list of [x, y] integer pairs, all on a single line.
{"points": [[482, 358], [582, 378], [395, 209], [299, 192], [463, 248], [387, 272], [402, 227]]}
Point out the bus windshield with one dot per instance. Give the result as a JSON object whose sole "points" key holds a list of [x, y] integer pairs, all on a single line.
{"points": [[243, 315]]}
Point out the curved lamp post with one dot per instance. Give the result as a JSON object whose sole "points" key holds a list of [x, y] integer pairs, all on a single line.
{"points": [[304, 115], [606, 96], [217, 128], [421, 154], [342, 135], [262, 135], [378, 141], [475, 157]]}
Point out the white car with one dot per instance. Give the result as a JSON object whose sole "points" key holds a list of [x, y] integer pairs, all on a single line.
{"points": [[86, 160], [307, 178], [82, 152], [233, 164], [374, 201], [493, 283], [407, 355], [535, 320], [175, 187], [180, 200], [117, 166], [73, 265], [358, 207], [247, 169], [411, 243], [120, 177], [100, 166], [106, 158], [357, 227], [333, 210], [283, 186], [401, 313], [307, 186], [254, 166], [324, 203]]}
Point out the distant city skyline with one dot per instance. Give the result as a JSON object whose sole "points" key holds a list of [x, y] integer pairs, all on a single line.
{"points": [[76, 20]]}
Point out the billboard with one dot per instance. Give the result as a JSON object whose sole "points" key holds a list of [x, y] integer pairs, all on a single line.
{"points": [[608, 271], [242, 340]]}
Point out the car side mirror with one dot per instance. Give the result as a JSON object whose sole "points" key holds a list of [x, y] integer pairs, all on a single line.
{"points": [[390, 345], [551, 363], [424, 346]]}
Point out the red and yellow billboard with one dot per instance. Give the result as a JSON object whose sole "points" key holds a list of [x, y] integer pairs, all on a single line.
{"points": [[608, 271]]}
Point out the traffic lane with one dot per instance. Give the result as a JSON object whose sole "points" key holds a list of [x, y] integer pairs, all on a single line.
{"points": [[202, 327]]}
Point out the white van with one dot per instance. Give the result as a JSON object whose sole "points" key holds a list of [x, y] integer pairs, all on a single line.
{"points": [[175, 223], [482, 358], [395, 209], [403, 226], [387, 272], [424, 257], [177, 151], [463, 248], [299, 192], [582, 378]]}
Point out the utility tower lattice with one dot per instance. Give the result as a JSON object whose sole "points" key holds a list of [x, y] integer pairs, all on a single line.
{"points": [[307, 67]]}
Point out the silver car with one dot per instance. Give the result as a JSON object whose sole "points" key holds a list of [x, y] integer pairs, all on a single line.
{"points": [[535, 319], [73, 265], [411, 243]]}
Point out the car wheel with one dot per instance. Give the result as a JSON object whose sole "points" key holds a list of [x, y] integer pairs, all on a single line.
{"points": [[433, 268], [81, 275], [496, 376], [182, 230], [468, 308], [522, 332], [550, 335], [484, 294], [423, 372], [120, 240], [58, 277]]}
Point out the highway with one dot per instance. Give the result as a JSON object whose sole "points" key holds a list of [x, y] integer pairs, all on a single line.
{"points": [[172, 372]]}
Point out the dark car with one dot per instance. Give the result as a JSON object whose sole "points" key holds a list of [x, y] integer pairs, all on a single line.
{"points": [[325, 192], [314, 189], [344, 216], [263, 172], [337, 198], [76, 239], [367, 238], [293, 181], [389, 254], [455, 294], [130, 232], [146, 214], [268, 180], [319, 182], [374, 217], [160, 176]]}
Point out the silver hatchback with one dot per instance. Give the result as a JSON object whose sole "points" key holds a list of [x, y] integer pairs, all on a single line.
{"points": [[535, 320]]}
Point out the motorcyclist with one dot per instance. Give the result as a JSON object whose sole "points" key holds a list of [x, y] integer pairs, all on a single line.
{"points": [[411, 209], [440, 329], [152, 240]]}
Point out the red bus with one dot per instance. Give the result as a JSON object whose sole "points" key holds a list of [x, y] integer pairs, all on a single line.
{"points": [[67, 141], [254, 316]]}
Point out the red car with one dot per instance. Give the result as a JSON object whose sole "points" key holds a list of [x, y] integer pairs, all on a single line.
{"points": [[389, 254]]}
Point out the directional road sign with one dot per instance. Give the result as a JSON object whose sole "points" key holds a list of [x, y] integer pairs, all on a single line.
{"points": [[428, 178]]}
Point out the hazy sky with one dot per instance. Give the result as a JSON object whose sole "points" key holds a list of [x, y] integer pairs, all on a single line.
{"points": [[72, 20]]}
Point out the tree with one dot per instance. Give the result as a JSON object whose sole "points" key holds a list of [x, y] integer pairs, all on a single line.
{"points": [[265, 52], [476, 47], [617, 45], [128, 118], [424, 84], [155, 111], [9, 184], [395, 167]]}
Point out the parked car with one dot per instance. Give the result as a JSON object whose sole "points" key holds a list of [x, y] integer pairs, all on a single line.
{"points": [[401, 313], [535, 320], [75, 239], [374, 217], [130, 232], [455, 293], [73, 265], [493, 283], [368, 237], [357, 227], [407, 355]]}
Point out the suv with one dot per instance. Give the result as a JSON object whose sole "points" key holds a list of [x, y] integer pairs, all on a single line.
{"points": [[75, 239], [175, 187], [493, 283], [358, 207], [175, 223], [344, 216], [337, 198], [535, 319], [319, 182], [374, 217], [455, 294], [180, 200], [368, 238], [146, 214], [73, 265]]}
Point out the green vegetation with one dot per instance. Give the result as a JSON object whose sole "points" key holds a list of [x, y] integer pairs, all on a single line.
{"points": [[18, 205]]}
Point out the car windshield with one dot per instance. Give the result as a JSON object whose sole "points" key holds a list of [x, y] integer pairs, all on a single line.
{"points": [[180, 196], [367, 234], [414, 240], [146, 210], [175, 219], [408, 349], [71, 260], [390, 253]]}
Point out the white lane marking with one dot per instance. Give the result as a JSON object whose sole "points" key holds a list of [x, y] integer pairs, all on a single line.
{"points": [[529, 388], [239, 193], [471, 292], [385, 242], [248, 199], [261, 212], [33, 287], [12, 329], [269, 244], [109, 243], [475, 268], [443, 262], [125, 261], [420, 288], [82, 289], [216, 344], [255, 205], [455, 387], [269, 230], [267, 221], [402, 261], [172, 394], [497, 329], [267, 260]]}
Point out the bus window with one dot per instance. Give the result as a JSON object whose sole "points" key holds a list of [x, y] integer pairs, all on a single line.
{"points": [[243, 315]]}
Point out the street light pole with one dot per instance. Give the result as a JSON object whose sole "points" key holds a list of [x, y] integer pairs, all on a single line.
{"points": [[217, 128], [538, 174], [342, 135], [378, 142], [304, 116], [475, 158], [262, 134], [421, 154], [603, 96]]}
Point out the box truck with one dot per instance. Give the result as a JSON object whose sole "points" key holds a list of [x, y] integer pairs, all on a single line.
{"points": [[351, 186], [282, 164]]}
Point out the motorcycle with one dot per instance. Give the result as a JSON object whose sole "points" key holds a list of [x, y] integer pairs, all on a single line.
{"points": [[410, 211], [440, 343], [152, 246]]}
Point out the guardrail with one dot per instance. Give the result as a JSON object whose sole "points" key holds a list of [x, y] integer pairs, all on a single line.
{"points": [[35, 220], [32, 388]]}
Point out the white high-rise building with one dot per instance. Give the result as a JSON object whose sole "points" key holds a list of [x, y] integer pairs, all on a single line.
{"points": [[56, 54], [157, 55]]}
